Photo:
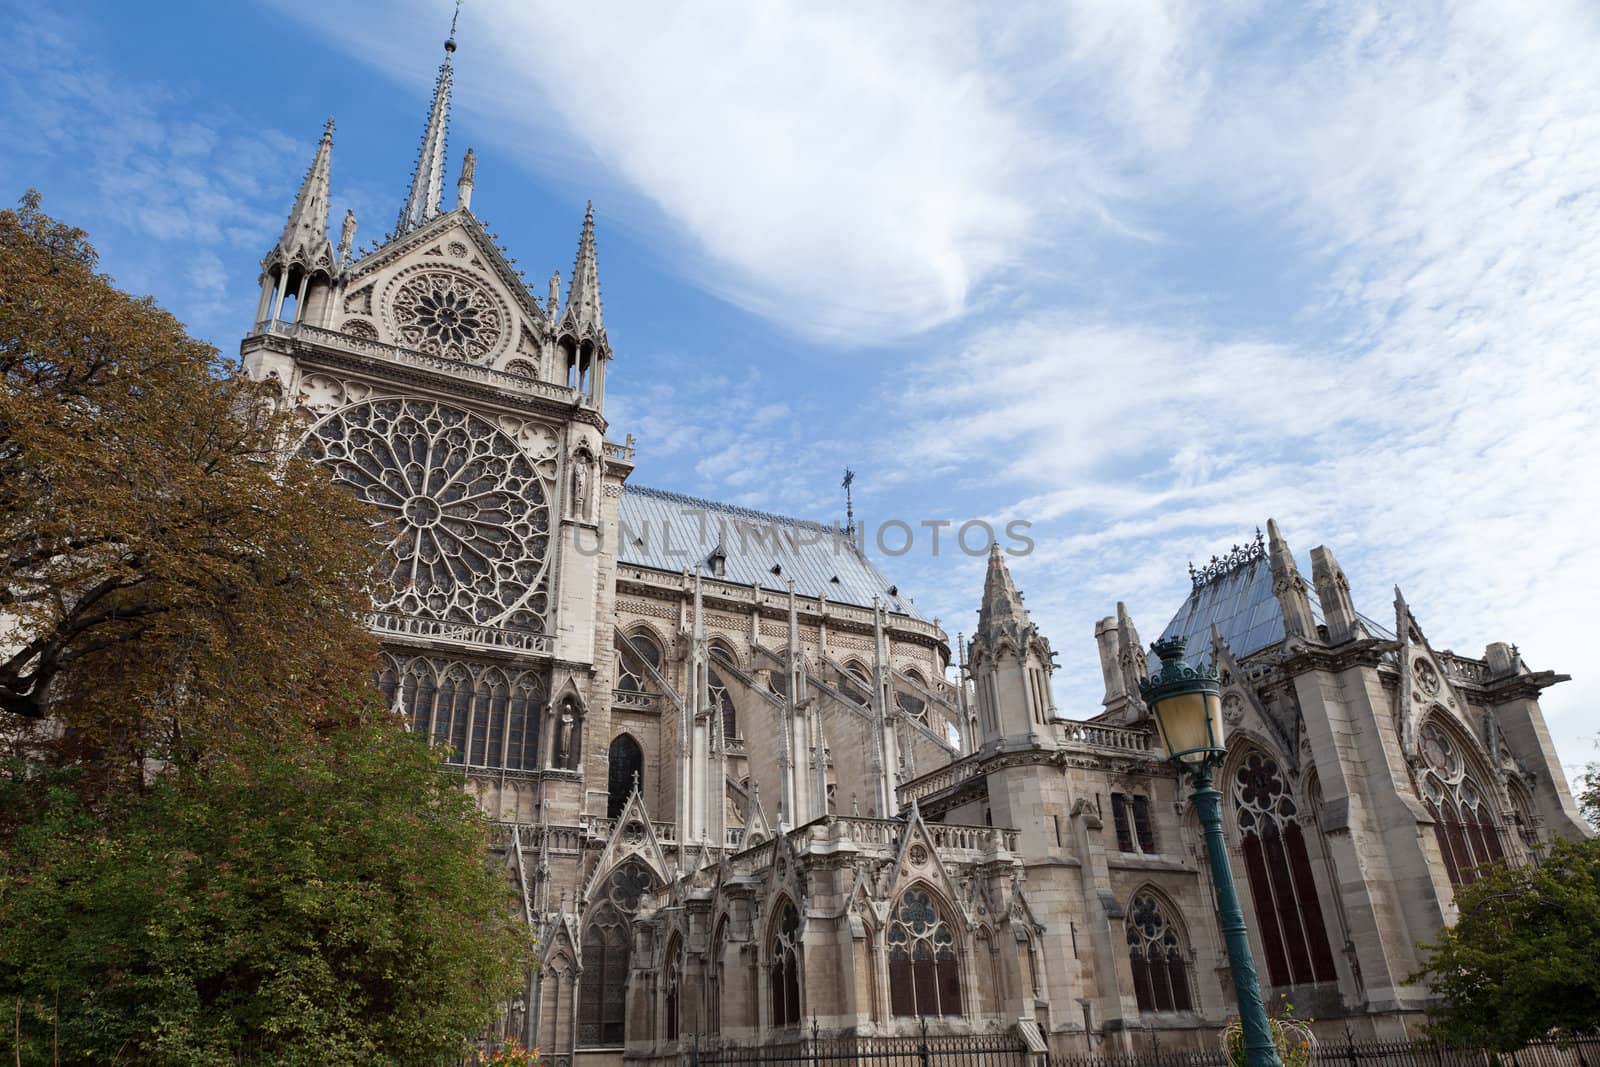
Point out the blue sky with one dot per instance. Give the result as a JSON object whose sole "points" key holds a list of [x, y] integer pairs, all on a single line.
{"points": [[1140, 272]]}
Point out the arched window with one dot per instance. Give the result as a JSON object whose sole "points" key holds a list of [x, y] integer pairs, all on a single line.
{"points": [[632, 655], [719, 945], [1465, 827], [488, 717], [722, 700], [856, 681], [602, 993], [486, 720], [624, 774], [417, 695], [924, 970], [909, 702], [607, 942], [785, 967], [671, 981], [522, 724], [1160, 976], [1288, 913]]}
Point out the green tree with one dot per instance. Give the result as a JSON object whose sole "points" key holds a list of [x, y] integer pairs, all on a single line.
{"points": [[1519, 964], [302, 901], [171, 577], [1589, 794]]}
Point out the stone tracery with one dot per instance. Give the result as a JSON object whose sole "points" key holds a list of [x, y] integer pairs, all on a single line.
{"points": [[467, 519], [445, 313]]}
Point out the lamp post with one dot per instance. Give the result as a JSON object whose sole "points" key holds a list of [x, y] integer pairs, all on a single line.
{"points": [[1187, 705]]}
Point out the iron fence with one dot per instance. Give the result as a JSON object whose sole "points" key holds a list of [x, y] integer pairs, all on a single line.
{"points": [[1584, 1052], [978, 1050]]}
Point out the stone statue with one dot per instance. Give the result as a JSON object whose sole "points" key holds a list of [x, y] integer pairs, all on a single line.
{"points": [[555, 293], [564, 736], [580, 500], [347, 236]]}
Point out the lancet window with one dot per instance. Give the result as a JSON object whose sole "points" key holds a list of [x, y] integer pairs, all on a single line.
{"points": [[1288, 913], [784, 970], [485, 716], [924, 967], [1155, 953], [624, 773], [719, 945], [672, 981], [607, 942], [1464, 824]]}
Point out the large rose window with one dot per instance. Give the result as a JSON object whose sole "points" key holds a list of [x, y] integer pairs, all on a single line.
{"points": [[446, 314], [466, 511]]}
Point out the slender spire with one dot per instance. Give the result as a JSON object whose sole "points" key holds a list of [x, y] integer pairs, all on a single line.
{"points": [[583, 295], [305, 234], [427, 181]]}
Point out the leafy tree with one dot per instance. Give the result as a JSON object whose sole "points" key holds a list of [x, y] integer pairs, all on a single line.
{"points": [[301, 901], [170, 577], [1519, 963], [1589, 795]]}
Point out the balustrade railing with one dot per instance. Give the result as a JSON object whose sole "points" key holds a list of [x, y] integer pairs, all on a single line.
{"points": [[481, 637], [1464, 669], [632, 700], [1098, 735], [411, 358], [937, 781]]}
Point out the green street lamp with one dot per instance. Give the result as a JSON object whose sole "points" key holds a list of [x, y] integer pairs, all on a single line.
{"points": [[1187, 705]]}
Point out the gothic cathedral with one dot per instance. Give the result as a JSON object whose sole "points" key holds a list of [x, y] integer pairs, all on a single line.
{"points": [[730, 775]]}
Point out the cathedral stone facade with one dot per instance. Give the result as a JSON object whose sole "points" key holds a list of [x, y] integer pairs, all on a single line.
{"points": [[744, 789]]}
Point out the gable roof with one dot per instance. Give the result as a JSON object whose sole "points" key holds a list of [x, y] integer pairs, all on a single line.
{"points": [[672, 532], [1242, 605]]}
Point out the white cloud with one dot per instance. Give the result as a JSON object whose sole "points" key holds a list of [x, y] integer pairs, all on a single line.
{"points": [[853, 173], [1432, 415]]}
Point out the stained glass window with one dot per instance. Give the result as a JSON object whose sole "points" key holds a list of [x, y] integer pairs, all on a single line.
{"points": [[785, 967], [1288, 913], [924, 969], [1160, 976]]}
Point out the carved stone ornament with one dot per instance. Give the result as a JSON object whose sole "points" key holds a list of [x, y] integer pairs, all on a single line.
{"points": [[1427, 677], [1232, 709], [323, 393], [446, 313], [917, 855]]}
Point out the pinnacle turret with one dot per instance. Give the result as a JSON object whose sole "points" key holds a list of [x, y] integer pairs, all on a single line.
{"points": [[1002, 604], [583, 295], [427, 180], [305, 235]]}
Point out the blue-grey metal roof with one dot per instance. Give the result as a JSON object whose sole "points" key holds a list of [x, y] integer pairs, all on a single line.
{"points": [[1241, 604], [672, 532]]}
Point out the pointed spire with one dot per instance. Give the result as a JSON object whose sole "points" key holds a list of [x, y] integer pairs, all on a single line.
{"points": [[1289, 587], [305, 234], [427, 180], [1333, 591], [1002, 603], [583, 295]]}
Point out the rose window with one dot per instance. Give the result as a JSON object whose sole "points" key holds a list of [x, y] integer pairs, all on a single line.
{"points": [[464, 510], [628, 885], [446, 314]]}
